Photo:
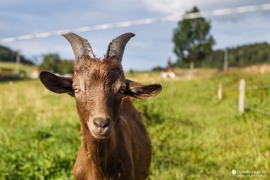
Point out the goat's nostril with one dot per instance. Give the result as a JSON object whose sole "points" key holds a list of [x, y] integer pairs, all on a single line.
{"points": [[101, 122], [106, 123]]}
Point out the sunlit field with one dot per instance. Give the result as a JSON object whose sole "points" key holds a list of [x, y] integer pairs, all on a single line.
{"points": [[194, 136], [23, 67]]}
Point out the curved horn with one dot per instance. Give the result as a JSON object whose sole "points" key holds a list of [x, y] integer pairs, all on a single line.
{"points": [[117, 46], [79, 45]]}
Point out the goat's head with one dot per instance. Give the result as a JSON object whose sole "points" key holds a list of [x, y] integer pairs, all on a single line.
{"points": [[98, 85]]}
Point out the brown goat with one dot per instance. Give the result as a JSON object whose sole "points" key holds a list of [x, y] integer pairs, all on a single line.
{"points": [[115, 143]]}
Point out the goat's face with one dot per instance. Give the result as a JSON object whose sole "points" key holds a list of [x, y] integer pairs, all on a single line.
{"points": [[98, 87]]}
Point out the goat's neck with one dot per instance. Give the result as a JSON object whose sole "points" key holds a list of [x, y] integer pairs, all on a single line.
{"points": [[99, 153]]}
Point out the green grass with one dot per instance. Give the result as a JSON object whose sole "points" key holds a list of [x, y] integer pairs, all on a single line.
{"points": [[193, 135], [11, 65]]}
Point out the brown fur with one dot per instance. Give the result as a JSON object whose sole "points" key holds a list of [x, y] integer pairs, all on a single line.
{"points": [[125, 155]]}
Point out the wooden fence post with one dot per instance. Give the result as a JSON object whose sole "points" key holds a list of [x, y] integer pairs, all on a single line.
{"points": [[220, 92], [226, 57], [241, 100], [18, 59]]}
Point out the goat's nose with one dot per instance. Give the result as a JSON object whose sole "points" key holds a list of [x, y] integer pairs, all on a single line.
{"points": [[102, 122]]}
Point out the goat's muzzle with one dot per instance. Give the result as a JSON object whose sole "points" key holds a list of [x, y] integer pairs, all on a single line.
{"points": [[100, 127]]}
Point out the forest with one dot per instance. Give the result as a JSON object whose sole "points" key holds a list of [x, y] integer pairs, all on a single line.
{"points": [[8, 55], [240, 56]]}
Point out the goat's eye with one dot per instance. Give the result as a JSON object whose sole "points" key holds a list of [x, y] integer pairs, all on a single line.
{"points": [[122, 89], [76, 89]]}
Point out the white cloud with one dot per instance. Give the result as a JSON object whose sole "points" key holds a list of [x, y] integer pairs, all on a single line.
{"points": [[230, 33], [181, 6], [168, 6]]}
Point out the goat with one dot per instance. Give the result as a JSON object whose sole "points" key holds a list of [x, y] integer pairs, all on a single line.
{"points": [[114, 142]]}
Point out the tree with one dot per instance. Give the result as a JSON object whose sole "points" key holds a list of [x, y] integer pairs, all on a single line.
{"points": [[50, 62], [9, 55], [53, 62], [192, 41]]}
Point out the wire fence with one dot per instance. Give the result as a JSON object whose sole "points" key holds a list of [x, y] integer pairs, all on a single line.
{"points": [[242, 96], [145, 21]]}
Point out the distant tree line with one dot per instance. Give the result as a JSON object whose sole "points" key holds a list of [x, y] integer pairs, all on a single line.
{"points": [[240, 56], [8, 55], [52, 62], [258, 53], [244, 55]]}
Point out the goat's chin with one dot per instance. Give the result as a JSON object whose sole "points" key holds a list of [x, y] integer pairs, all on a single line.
{"points": [[99, 138], [101, 135]]}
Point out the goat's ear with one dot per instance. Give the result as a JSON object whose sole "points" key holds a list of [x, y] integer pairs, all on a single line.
{"points": [[55, 83], [140, 91]]}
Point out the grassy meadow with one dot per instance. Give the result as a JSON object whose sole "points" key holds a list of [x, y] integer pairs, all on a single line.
{"points": [[194, 136], [11, 65]]}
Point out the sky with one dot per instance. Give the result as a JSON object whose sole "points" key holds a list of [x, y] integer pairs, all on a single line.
{"points": [[152, 45]]}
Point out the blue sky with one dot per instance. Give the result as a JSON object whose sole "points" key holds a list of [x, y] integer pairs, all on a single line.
{"points": [[152, 44]]}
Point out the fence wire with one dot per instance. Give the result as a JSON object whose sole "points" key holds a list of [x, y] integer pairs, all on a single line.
{"points": [[145, 21], [252, 87]]}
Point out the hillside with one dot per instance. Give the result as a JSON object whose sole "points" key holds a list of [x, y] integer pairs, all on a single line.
{"points": [[240, 56], [8, 55]]}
